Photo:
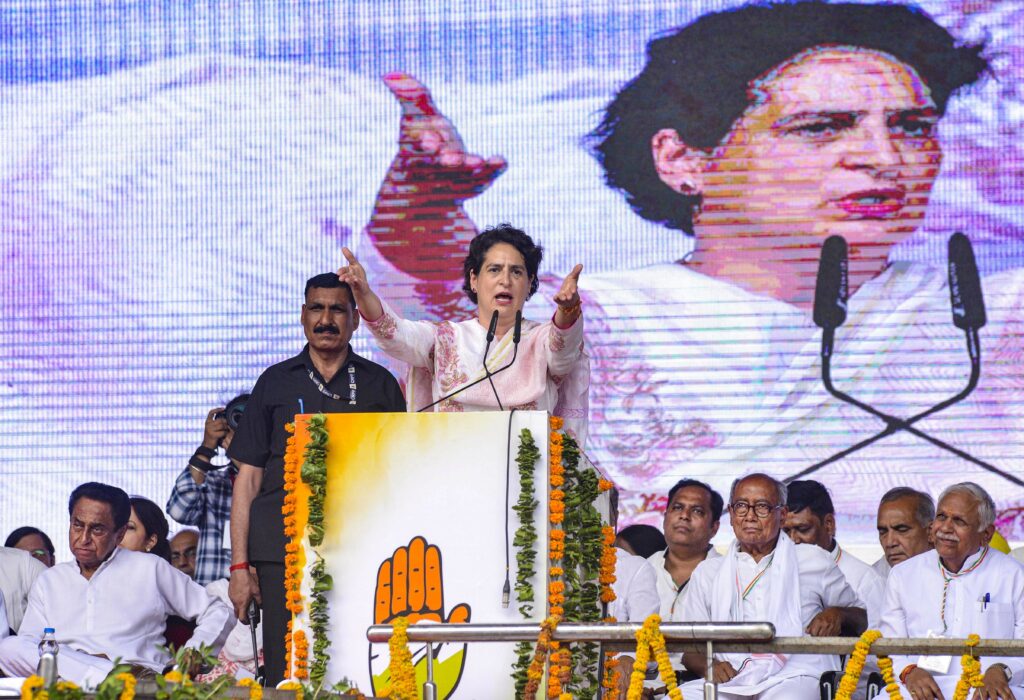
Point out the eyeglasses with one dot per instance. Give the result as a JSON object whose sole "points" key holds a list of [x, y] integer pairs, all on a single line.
{"points": [[762, 509]]}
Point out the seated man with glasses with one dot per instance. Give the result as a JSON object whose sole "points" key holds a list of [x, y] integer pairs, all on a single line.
{"points": [[767, 578]]}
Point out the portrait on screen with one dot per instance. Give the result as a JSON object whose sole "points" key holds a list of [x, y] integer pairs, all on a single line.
{"points": [[173, 173]]}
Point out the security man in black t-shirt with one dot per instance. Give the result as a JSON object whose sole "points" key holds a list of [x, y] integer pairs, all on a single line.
{"points": [[326, 377]]}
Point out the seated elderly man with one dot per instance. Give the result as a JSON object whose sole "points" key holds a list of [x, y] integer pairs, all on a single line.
{"points": [[765, 577], [811, 519], [904, 521], [109, 602], [961, 587]]}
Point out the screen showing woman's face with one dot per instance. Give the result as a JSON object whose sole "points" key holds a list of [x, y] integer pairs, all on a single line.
{"points": [[837, 141]]}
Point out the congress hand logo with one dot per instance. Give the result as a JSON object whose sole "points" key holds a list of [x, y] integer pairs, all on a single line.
{"points": [[410, 584]]}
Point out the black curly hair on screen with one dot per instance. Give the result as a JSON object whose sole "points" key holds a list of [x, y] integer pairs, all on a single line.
{"points": [[697, 81]]}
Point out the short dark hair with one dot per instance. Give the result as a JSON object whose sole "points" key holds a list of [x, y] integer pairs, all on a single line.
{"points": [[697, 81], [18, 533], [154, 522], [120, 505], [924, 511], [812, 494], [644, 540], [328, 280], [717, 504], [532, 254]]}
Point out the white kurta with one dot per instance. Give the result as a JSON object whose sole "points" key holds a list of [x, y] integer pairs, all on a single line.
{"points": [[121, 612], [18, 571], [882, 567], [797, 582], [636, 588], [865, 581], [913, 608], [669, 593], [551, 371]]}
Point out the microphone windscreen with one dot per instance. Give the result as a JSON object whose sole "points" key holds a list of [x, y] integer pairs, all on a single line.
{"points": [[493, 328], [517, 330], [965, 284], [830, 291]]}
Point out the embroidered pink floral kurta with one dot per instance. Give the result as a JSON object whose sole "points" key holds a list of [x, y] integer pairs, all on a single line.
{"points": [[551, 370]]}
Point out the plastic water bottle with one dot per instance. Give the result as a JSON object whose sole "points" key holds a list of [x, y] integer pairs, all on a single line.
{"points": [[48, 649]]}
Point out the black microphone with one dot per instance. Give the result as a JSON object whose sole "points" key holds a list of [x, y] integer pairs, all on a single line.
{"points": [[491, 330], [965, 285], [516, 335], [832, 287]]}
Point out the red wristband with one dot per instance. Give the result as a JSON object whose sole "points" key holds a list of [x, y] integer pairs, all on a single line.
{"points": [[240, 566], [906, 672]]}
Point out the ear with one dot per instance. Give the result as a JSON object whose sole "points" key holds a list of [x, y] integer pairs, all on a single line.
{"points": [[472, 281], [829, 522], [990, 532], [119, 535], [714, 528], [679, 166], [150, 543], [355, 317]]}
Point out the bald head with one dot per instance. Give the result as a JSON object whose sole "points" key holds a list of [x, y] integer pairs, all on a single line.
{"points": [[183, 551]]}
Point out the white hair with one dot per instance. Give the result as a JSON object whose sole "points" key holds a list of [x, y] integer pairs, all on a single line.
{"points": [[986, 506], [780, 488]]}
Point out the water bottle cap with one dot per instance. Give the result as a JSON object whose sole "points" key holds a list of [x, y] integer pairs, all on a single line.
{"points": [[48, 630]]}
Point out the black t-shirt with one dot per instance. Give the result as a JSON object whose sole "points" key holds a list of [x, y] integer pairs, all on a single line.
{"points": [[281, 392]]}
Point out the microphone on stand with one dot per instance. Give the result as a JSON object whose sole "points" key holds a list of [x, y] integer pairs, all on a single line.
{"points": [[516, 335], [965, 296], [491, 330], [831, 291], [968, 307]]}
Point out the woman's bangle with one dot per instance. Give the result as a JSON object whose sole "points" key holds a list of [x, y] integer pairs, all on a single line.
{"points": [[906, 672], [240, 566]]}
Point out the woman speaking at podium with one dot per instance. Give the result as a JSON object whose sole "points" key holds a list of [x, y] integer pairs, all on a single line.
{"points": [[535, 366]]}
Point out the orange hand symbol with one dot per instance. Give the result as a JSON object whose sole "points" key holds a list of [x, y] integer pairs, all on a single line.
{"points": [[410, 584]]}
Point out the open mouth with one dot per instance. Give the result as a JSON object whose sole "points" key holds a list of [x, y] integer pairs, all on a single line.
{"points": [[503, 298], [873, 204]]}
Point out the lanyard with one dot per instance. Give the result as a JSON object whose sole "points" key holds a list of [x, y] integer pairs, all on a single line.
{"points": [[947, 578], [750, 586], [838, 555], [330, 394]]}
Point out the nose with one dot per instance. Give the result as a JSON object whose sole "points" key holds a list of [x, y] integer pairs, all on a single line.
{"points": [[872, 147]]}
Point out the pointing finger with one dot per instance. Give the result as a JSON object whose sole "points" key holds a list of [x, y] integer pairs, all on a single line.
{"points": [[350, 256], [575, 274], [413, 96]]}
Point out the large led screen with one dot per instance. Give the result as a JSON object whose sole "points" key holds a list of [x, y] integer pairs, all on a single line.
{"points": [[172, 172]]}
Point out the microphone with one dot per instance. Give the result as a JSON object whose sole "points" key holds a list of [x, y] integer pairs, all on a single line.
{"points": [[491, 331], [516, 335], [831, 290], [965, 285]]}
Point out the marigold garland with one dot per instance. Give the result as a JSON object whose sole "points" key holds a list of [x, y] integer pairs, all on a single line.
{"points": [[855, 664], [559, 662], [255, 690], [971, 665], [535, 672], [403, 673], [292, 685], [31, 686], [292, 570], [650, 640], [891, 686], [128, 689]]}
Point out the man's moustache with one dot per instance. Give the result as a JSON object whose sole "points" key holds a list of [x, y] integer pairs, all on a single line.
{"points": [[327, 329]]}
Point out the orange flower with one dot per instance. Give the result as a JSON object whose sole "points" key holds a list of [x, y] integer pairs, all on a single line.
{"points": [[556, 422]]}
